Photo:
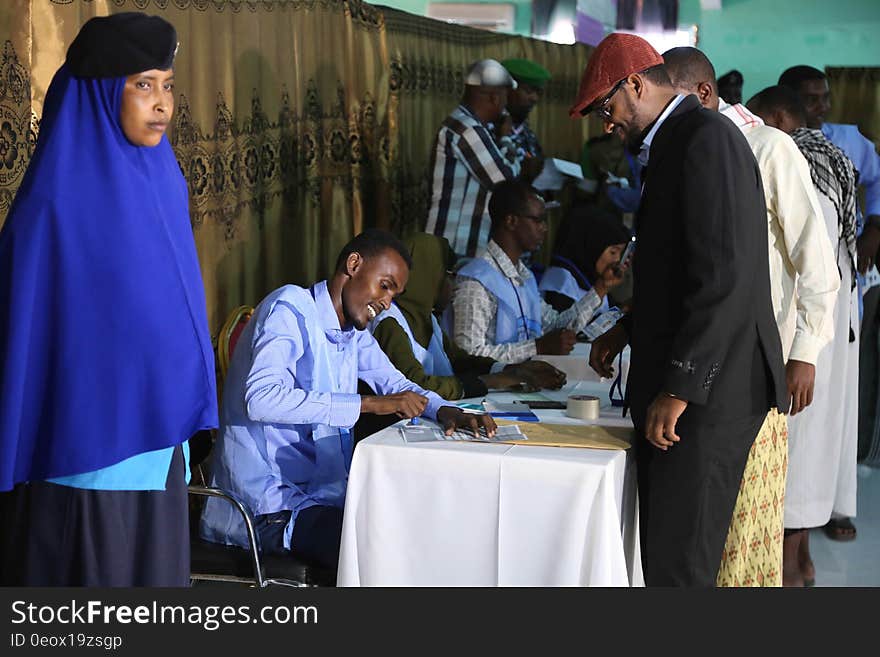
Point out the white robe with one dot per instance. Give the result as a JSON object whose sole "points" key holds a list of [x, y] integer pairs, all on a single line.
{"points": [[823, 439]]}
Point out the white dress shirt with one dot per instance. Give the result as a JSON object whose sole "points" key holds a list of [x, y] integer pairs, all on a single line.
{"points": [[803, 271]]}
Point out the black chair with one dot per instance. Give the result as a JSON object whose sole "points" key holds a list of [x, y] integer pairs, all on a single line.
{"points": [[213, 562]]}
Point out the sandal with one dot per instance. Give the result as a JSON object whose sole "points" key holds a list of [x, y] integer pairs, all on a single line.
{"points": [[840, 529]]}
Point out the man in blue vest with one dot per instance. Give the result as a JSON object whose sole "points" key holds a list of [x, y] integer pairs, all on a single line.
{"points": [[290, 400], [497, 308]]}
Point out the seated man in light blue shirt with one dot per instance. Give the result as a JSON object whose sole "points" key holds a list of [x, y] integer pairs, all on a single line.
{"points": [[290, 400]]}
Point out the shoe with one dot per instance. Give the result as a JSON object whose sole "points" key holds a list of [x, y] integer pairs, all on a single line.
{"points": [[840, 529]]}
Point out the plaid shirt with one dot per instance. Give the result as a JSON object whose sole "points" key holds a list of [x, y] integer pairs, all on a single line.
{"points": [[467, 163], [526, 142], [474, 310]]}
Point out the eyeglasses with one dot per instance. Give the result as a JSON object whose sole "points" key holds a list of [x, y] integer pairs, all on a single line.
{"points": [[601, 110]]}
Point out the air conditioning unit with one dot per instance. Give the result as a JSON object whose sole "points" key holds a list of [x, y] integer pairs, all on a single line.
{"points": [[498, 16]]}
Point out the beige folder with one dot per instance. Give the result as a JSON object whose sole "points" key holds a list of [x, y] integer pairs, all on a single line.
{"points": [[571, 435]]}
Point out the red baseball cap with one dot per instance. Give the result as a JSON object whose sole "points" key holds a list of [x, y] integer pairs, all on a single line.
{"points": [[618, 56]]}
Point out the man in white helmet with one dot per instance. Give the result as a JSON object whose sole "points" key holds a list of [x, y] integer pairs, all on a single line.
{"points": [[470, 158]]}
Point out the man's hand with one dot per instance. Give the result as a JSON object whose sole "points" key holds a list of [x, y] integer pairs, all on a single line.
{"points": [[800, 377], [663, 414], [612, 276], [452, 418], [507, 381], [867, 245], [538, 373], [402, 404], [556, 343], [605, 349], [504, 126]]}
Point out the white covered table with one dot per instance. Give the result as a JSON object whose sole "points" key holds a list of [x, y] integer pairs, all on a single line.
{"points": [[477, 514]]}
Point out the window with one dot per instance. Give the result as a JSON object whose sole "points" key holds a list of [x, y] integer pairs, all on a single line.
{"points": [[497, 17]]}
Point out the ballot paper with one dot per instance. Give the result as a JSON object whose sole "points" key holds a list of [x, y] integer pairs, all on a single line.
{"points": [[422, 434], [512, 411], [553, 174]]}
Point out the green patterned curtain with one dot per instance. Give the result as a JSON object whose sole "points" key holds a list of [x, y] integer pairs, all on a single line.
{"points": [[297, 122]]}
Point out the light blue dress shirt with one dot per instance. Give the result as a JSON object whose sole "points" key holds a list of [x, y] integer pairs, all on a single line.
{"points": [[863, 154], [289, 400], [645, 149]]}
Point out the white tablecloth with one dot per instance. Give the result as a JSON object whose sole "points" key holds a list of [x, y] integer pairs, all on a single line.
{"points": [[475, 514]]}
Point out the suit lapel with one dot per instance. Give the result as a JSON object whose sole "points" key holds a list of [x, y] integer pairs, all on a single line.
{"points": [[667, 130]]}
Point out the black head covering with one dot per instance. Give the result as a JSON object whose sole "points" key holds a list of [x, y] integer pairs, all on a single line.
{"points": [[587, 232], [122, 44]]}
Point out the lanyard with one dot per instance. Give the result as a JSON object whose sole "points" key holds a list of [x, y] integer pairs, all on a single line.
{"points": [[522, 313], [618, 384]]}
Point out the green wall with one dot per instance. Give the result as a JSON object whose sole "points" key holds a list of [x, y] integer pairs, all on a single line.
{"points": [[761, 38], [522, 16]]}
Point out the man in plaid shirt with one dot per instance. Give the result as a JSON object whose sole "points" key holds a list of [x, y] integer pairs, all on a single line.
{"points": [[469, 159]]}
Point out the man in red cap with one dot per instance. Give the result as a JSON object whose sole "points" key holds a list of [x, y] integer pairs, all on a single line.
{"points": [[706, 367]]}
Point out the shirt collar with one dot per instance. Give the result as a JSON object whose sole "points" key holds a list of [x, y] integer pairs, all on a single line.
{"points": [[327, 316], [741, 117], [467, 112], [645, 150], [505, 264]]}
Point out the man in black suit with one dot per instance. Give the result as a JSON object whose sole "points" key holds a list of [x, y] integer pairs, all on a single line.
{"points": [[707, 368]]}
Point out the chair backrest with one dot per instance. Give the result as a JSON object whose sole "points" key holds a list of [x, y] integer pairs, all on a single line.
{"points": [[224, 342], [229, 335]]}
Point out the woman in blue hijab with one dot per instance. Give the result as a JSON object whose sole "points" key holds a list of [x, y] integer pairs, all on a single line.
{"points": [[106, 367]]}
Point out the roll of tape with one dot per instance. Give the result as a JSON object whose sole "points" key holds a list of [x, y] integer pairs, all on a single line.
{"points": [[583, 407]]}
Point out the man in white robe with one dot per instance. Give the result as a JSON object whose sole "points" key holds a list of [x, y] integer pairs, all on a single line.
{"points": [[824, 439]]}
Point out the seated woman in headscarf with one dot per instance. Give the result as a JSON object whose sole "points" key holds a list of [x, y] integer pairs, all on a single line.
{"points": [[106, 368], [591, 240], [410, 335]]}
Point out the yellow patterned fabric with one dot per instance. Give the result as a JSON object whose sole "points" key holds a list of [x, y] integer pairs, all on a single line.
{"points": [[753, 552]]}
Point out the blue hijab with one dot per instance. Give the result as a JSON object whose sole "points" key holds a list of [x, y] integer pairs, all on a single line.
{"points": [[104, 345]]}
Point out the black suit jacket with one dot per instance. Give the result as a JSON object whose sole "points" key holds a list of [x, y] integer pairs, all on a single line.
{"points": [[702, 326]]}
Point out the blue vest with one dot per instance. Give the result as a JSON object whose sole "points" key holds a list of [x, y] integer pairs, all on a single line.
{"points": [[434, 360], [558, 279], [519, 307]]}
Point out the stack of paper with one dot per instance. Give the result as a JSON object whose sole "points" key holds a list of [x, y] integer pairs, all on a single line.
{"points": [[515, 412], [421, 434]]}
